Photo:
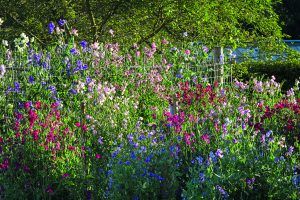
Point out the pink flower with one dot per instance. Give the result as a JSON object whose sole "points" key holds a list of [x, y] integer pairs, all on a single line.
{"points": [[35, 135], [74, 32], [187, 52], [164, 41], [205, 138], [138, 53], [187, 139]]}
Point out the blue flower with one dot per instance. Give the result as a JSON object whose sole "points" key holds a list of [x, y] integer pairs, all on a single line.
{"points": [[130, 137], [52, 89], [132, 155], [142, 137], [179, 75], [31, 79], [148, 159], [296, 181], [73, 91], [200, 160], [127, 162], [51, 27], [143, 149], [201, 177], [83, 44]]}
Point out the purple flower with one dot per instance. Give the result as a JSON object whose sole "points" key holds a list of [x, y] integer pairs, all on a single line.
{"points": [[219, 153], [17, 87], [73, 51], [51, 27], [62, 22], [37, 58], [88, 80]]}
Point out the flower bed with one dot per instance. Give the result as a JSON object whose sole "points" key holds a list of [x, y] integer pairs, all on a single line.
{"points": [[90, 121]]}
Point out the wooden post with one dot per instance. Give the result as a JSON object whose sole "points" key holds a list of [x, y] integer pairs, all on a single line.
{"points": [[219, 61]]}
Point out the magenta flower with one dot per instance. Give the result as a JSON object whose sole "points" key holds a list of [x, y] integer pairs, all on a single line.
{"points": [[65, 175], [98, 156], [77, 124]]}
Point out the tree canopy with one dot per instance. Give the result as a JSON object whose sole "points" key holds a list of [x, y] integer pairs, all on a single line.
{"points": [[213, 22]]}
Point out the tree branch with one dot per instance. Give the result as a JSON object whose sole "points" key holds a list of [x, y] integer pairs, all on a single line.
{"points": [[92, 19]]}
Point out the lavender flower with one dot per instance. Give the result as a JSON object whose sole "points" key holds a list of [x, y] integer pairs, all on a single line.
{"points": [[222, 191], [62, 22]]}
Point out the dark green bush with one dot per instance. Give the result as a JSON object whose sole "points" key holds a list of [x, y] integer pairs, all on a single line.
{"points": [[284, 71]]}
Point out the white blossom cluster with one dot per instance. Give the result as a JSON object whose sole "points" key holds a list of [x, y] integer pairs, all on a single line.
{"points": [[2, 71]]}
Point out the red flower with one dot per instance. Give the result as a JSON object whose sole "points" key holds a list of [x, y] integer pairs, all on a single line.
{"points": [[71, 148], [54, 105], [1, 139]]}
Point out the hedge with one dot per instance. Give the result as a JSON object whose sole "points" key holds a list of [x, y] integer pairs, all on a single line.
{"points": [[284, 71]]}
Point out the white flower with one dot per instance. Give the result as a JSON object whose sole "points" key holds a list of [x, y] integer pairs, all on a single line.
{"points": [[111, 32], [2, 71], [1, 21], [185, 34], [5, 43]]}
